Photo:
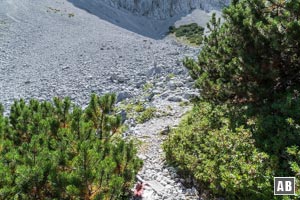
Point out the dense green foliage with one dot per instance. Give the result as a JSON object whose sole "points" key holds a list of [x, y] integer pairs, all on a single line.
{"points": [[146, 115], [253, 56], [192, 32], [249, 68], [205, 146], [59, 151], [294, 156]]}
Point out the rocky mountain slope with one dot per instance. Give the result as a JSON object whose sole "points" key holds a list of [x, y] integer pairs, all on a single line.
{"points": [[52, 48]]}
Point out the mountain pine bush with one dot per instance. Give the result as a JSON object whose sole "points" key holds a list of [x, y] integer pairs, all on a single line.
{"points": [[222, 160], [59, 151], [253, 56], [248, 77]]}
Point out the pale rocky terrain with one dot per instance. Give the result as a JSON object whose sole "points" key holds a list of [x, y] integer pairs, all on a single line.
{"points": [[67, 48], [164, 9], [44, 53]]}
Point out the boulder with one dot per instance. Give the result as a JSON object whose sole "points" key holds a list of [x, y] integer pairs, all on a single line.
{"points": [[115, 78], [175, 99], [154, 71], [172, 85], [123, 114], [123, 95]]}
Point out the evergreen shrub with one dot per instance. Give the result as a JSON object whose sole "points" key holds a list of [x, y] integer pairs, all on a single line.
{"points": [[248, 76], [60, 151]]}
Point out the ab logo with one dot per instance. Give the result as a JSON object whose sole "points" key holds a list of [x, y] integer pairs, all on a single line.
{"points": [[284, 186]]}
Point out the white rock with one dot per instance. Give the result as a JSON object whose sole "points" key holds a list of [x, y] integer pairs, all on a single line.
{"points": [[164, 9]]}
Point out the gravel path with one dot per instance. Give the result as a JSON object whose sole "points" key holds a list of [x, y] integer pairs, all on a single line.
{"points": [[163, 181]]}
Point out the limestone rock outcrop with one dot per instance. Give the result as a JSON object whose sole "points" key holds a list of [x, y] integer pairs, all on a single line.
{"points": [[164, 9]]}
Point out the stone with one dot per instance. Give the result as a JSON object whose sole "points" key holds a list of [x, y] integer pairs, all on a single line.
{"points": [[65, 68], [156, 186], [123, 95], [171, 182], [163, 183], [156, 92], [190, 95], [178, 71], [165, 131], [189, 180], [159, 84], [123, 114], [179, 84], [148, 195], [194, 191], [156, 70], [190, 84], [165, 94], [150, 96], [117, 78], [159, 178], [172, 85], [190, 79], [140, 83], [175, 99]]}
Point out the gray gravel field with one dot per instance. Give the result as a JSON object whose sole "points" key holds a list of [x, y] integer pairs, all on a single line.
{"points": [[51, 48]]}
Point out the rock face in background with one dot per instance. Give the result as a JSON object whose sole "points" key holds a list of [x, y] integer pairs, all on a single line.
{"points": [[164, 9], [151, 18]]}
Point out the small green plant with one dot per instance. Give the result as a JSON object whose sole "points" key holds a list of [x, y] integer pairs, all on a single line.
{"points": [[184, 103], [171, 75], [164, 113], [123, 128], [131, 107], [146, 115], [147, 86], [172, 29], [191, 32], [128, 107], [139, 107], [71, 15]]}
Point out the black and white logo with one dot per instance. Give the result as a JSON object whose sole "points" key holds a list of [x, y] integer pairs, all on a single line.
{"points": [[284, 186]]}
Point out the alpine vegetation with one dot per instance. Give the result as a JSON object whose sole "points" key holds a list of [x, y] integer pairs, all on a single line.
{"points": [[244, 130], [60, 151]]}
